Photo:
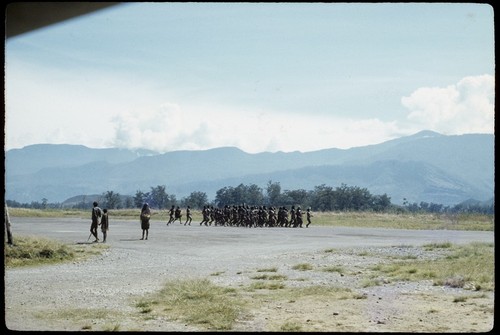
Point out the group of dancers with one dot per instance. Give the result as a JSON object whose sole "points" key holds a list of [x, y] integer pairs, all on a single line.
{"points": [[245, 216]]}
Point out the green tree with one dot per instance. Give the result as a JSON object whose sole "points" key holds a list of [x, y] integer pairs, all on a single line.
{"points": [[381, 202], [172, 200], [342, 197], [323, 198], [129, 202], [360, 198], [195, 200], [226, 196], [159, 197], [111, 200], [296, 197], [254, 195], [273, 193], [239, 195], [140, 198], [435, 208]]}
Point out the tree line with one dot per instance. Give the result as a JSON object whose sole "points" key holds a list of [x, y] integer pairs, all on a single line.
{"points": [[321, 198]]}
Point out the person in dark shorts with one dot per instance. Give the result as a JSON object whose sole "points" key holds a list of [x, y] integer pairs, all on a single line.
{"points": [[189, 218], [298, 217], [206, 215], [104, 225], [145, 217], [171, 214], [292, 222], [308, 216], [96, 216], [178, 215]]}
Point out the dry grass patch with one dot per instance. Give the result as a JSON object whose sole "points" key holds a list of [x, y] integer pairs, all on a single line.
{"points": [[335, 268], [88, 318], [36, 250], [302, 267], [266, 286], [469, 266], [281, 307], [405, 220], [273, 269], [196, 301], [269, 277]]}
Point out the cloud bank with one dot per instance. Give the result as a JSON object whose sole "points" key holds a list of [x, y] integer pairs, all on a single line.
{"points": [[125, 116], [171, 127], [464, 107]]}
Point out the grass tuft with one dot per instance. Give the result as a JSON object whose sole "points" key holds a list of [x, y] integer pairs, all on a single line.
{"points": [[196, 301], [302, 267], [466, 266], [36, 250]]}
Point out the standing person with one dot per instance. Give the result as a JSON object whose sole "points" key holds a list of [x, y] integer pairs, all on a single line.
{"points": [[96, 215], [309, 216], [145, 216], [188, 216], [104, 225]]}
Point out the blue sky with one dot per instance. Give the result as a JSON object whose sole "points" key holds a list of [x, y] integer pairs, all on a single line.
{"points": [[258, 76]]}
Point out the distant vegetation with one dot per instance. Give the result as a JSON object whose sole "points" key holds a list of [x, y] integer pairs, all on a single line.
{"points": [[427, 167], [392, 220], [322, 198]]}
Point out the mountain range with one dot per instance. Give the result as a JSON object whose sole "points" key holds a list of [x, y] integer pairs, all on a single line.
{"points": [[425, 167]]}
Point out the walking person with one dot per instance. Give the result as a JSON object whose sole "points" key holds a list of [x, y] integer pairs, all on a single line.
{"points": [[104, 224], [96, 216], [178, 215], [171, 214], [308, 216], [188, 216], [206, 217], [292, 222], [298, 217], [145, 217]]}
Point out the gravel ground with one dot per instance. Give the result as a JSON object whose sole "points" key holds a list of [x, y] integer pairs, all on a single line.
{"points": [[37, 298]]}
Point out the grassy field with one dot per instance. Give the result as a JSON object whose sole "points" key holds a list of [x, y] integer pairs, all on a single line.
{"points": [[477, 222]]}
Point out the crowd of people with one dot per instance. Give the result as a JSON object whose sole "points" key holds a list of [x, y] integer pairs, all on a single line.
{"points": [[245, 216], [236, 216]]}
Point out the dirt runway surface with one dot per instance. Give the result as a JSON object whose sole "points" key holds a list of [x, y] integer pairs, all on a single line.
{"points": [[132, 267]]}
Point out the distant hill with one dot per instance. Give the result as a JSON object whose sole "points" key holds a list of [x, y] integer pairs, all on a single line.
{"points": [[33, 158], [426, 167]]}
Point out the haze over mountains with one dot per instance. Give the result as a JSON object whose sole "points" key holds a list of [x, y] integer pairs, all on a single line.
{"points": [[427, 167]]}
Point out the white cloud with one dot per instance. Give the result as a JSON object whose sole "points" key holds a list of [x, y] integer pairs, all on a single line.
{"points": [[171, 127], [465, 107], [100, 110]]}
